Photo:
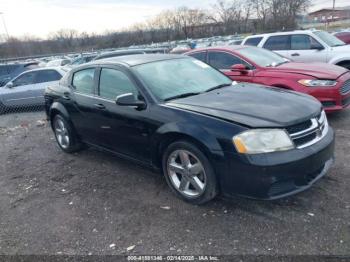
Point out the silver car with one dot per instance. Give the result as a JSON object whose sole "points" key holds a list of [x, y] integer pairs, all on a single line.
{"points": [[27, 89]]}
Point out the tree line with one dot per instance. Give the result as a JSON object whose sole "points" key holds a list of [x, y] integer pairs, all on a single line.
{"points": [[225, 17]]}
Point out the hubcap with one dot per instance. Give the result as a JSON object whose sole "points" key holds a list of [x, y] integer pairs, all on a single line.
{"points": [[61, 133], [186, 173]]}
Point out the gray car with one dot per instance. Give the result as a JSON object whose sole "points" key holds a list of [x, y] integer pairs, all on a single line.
{"points": [[28, 88]]}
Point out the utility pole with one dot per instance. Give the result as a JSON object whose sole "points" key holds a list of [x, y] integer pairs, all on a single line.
{"points": [[5, 27], [333, 11]]}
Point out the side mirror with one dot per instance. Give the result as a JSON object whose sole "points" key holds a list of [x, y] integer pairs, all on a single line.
{"points": [[9, 85], [239, 67], [129, 100]]}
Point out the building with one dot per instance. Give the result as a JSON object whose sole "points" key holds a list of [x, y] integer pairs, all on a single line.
{"points": [[325, 15]]}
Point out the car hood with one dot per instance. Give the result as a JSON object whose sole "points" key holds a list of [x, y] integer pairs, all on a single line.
{"points": [[317, 70], [252, 105]]}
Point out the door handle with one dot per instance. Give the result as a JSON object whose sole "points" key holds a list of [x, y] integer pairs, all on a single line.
{"points": [[100, 106], [66, 95], [296, 54]]}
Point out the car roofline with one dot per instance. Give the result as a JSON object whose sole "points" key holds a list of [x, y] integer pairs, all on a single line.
{"points": [[118, 60]]}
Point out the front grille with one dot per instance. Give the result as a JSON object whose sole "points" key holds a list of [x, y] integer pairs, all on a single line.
{"points": [[346, 101], [309, 132], [305, 139], [299, 127], [345, 88]]}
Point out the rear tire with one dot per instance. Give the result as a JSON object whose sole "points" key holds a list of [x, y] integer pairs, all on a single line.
{"points": [[65, 135], [189, 173]]}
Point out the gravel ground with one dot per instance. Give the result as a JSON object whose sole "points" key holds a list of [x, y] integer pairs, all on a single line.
{"points": [[95, 203]]}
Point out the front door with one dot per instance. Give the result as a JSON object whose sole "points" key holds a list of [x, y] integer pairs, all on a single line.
{"points": [[305, 48], [122, 129], [18, 95]]}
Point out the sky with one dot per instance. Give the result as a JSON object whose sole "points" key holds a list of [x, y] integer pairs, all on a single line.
{"points": [[41, 17]]}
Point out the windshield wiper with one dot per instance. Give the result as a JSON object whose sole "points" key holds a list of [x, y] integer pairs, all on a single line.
{"points": [[217, 87], [182, 96], [281, 63]]}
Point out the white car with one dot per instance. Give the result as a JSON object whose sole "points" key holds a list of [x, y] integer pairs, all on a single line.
{"points": [[58, 62], [304, 46], [28, 88]]}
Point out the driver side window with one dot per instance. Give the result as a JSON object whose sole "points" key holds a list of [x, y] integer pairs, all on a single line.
{"points": [[221, 60], [303, 42], [25, 79], [114, 83]]}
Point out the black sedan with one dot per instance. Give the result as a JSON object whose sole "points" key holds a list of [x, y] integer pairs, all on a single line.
{"points": [[207, 134]]}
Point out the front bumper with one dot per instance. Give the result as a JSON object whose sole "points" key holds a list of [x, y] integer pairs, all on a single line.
{"points": [[276, 175], [331, 98]]}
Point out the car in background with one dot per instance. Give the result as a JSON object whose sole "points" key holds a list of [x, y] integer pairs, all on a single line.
{"points": [[187, 120], [131, 52], [9, 71], [181, 48], [343, 36], [236, 42], [28, 88], [58, 62], [330, 84], [82, 59], [304, 46]]}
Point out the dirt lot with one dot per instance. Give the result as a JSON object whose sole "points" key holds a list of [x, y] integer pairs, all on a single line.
{"points": [[95, 203]]}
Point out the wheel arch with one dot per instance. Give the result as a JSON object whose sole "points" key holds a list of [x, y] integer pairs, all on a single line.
{"points": [[282, 86], [58, 108], [170, 133], [341, 63]]}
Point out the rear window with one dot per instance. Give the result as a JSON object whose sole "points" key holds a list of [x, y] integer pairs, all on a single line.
{"points": [[278, 42], [83, 81], [254, 41], [48, 76], [8, 69], [200, 56]]}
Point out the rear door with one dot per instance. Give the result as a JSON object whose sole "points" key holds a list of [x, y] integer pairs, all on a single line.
{"points": [[122, 129], [305, 48], [223, 61], [18, 94], [81, 104], [279, 44]]}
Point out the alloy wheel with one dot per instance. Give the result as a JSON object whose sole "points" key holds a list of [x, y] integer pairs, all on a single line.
{"points": [[61, 133], [186, 173]]}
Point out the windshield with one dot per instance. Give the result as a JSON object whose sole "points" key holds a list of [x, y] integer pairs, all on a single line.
{"points": [[262, 57], [176, 77], [329, 39]]}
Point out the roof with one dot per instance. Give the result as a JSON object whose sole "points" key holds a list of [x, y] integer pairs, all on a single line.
{"points": [[128, 51], [283, 33], [330, 9], [133, 60]]}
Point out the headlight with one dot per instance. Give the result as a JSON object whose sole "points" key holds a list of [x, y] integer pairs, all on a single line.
{"points": [[312, 83], [257, 141]]}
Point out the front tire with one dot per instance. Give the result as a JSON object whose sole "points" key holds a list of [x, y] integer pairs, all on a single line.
{"points": [[345, 64], [65, 135], [189, 173]]}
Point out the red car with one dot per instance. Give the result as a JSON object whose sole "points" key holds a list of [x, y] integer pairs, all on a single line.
{"points": [[344, 36], [328, 83]]}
